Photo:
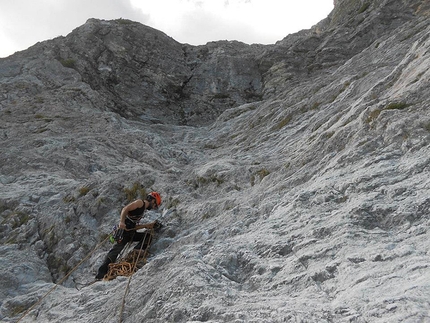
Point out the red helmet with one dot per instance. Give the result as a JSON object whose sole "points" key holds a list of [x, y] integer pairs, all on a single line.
{"points": [[155, 196]]}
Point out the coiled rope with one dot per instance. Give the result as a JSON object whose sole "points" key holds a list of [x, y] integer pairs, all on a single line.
{"points": [[126, 267]]}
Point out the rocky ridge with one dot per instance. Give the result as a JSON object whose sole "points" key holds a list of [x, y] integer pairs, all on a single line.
{"points": [[298, 172]]}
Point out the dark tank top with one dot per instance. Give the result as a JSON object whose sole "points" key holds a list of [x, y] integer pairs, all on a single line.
{"points": [[136, 214]]}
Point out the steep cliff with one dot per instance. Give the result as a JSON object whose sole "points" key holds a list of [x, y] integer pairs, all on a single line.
{"points": [[297, 174]]}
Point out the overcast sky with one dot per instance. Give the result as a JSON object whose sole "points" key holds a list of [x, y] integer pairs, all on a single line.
{"points": [[25, 22]]}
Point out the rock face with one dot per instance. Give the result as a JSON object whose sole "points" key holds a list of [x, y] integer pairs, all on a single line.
{"points": [[296, 174], [143, 74]]}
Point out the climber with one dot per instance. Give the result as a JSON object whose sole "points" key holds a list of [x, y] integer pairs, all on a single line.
{"points": [[130, 217]]}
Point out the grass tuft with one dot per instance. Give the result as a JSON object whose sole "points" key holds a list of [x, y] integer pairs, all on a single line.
{"points": [[69, 62], [135, 192], [364, 7], [396, 106]]}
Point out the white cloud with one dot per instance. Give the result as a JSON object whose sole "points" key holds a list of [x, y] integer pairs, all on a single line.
{"points": [[259, 21], [25, 22]]}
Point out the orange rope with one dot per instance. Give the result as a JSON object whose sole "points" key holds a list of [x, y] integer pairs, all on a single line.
{"points": [[126, 267], [129, 264], [135, 269]]}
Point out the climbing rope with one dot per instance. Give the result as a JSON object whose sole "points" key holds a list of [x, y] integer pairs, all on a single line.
{"points": [[126, 267], [135, 260], [63, 279]]}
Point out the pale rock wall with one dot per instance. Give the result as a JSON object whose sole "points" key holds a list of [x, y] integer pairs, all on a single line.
{"points": [[297, 174]]}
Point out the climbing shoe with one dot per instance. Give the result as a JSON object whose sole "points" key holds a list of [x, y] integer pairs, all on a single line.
{"points": [[102, 270]]}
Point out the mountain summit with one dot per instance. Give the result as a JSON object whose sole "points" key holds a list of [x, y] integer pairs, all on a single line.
{"points": [[294, 176]]}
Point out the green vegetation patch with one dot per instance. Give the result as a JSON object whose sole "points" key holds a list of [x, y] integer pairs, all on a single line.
{"points": [[211, 179], [134, 192], [172, 203], [396, 106], [16, 219], [84, 191], [203, 181], [373, 115], [260, 173], [426, 126], [69, 199], [364, 7], [18, 309], [69, 62], [284, 122]]}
